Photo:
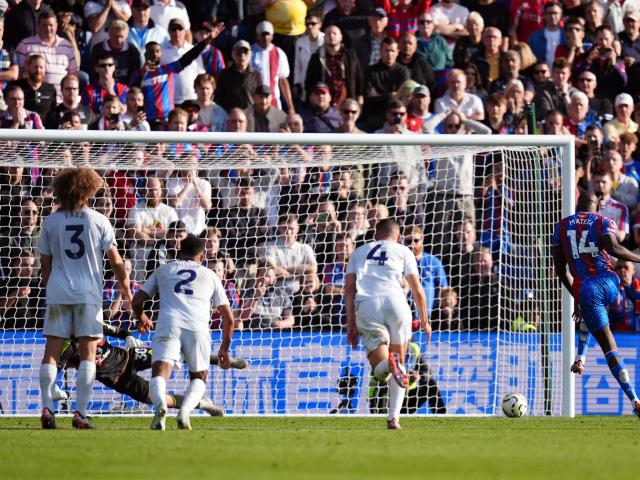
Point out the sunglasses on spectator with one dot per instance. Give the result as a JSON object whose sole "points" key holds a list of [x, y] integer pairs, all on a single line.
{"points": [[398, 114], [410, 240], [105, 65], [425, 22], [352, 112]]}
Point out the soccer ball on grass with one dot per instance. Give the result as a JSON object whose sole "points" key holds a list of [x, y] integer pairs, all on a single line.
{"points": [[514, 405]]}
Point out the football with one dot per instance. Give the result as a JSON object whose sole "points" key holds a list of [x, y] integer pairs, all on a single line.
{"points": [[514, 405]]}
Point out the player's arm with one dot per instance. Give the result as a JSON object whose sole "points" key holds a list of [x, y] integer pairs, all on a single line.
{"points": [[560, 265], [228, 321], [122, 277], [420, 299], [45, 268], [350, 307], [122, 334], [137, 306], [611, 245]]}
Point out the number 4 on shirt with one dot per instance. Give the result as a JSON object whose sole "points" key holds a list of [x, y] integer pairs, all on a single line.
{"points": [[583, 247], [381, 258]]}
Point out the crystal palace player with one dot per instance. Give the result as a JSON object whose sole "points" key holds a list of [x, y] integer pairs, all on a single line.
{"points": [[382, 316], [583, 241], [72, 247], [187, 290], [117, 368]]}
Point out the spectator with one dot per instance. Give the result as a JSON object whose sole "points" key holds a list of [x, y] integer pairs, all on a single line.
{"points": [[546, 40], [115, 307], [555, 95], [526, 18], [212, 58], [349, 20], [495, 14], [8, 69], [622, 123], [402, 15], [190, 195], [593, 15], [402, 205], [158, 81], [21, 305], [262, 116], [627, 148], [105, 83], [99, 14], [630, 37], [418, 108], [624, 188], [16, 116], [367, 47], [213, 252], [602, 185], [489, 59], [306, 46], [467, 45], [333, 278], [449, 19], [445, 315], [166, 250], [173, 50], [61, 56], [482, 300], [320, 116], [212, 116], [496, 197], [272, 64], [307, 306], [287, 18], [21, 21], [574, 45], [290, 258], [110, 118], [496, 108], [474, 82], [337, 67], [624, 314], [349, 113], [382, 82], [70, 86], [163, 11], [357, 224], [239, 80], [142, 29], [39, 96], [432, 45], [22, 233], [419, 68], [149, 220], [602, 60], [135, 118], [267, 305], [601, 106], [511, 64], [432, 274], [579, 117], [123, 52], [229, 285], [457, 98]]}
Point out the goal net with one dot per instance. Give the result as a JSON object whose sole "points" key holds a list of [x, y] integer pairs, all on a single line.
{"points": [[282, 214]]}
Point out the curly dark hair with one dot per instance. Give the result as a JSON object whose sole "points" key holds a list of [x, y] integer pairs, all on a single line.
{"points": [[72, 187]]}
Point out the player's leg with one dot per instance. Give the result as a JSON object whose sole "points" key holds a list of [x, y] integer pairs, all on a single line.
{"points": [[48, 374], [397, 316], [584, 337], [196, 347], [166, 351]]}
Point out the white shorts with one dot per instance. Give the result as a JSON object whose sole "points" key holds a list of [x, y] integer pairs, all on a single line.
{"points": [[80, 320], [194, 345], [383, 320]]}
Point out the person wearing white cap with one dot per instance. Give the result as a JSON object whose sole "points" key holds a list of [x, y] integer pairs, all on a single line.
{"points": [[622, 123], [239, 80], [272, 64]]}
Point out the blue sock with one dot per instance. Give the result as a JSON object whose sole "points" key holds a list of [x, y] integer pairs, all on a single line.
{"points": [[584, 337], [620, 373]]}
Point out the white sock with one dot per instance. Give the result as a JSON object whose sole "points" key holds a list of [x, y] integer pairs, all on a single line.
{"points": [[84, 385], [56, 391], [382, 370], [48, 375], [192, 397], [396, 397], [158, 391]]}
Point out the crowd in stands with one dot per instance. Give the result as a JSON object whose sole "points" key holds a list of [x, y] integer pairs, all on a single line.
{"points": [[280, 238]]}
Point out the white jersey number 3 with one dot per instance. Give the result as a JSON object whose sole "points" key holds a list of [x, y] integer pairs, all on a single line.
{"points": [[583, 247]]}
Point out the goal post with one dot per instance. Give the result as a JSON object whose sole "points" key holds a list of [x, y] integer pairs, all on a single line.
{"points": [[502, 321]]}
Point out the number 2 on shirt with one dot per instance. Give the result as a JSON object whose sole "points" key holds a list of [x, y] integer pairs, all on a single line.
{"points": [[380, 258], [583, 247], [181, 286]]}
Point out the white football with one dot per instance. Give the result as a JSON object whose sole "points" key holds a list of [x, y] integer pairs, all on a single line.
{"points": [[514, 405]]}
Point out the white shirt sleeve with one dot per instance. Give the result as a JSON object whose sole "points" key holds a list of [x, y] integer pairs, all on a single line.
{"points": [[283, 65], [410, 264], [108, 234], [219, 295], [150, 287]]}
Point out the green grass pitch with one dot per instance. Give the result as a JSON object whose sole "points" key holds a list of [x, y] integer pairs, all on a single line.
{"points": [[324, 448]]}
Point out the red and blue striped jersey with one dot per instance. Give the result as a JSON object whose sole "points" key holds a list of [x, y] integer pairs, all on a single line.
{"points": [[158, 87], [213, 61], [94, 94], [580, 237]]}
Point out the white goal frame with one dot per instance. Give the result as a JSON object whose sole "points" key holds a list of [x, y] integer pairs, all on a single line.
{"points": [[564, 144]]}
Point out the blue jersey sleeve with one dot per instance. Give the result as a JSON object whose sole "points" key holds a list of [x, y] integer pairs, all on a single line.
{"points": [[555, 239]]}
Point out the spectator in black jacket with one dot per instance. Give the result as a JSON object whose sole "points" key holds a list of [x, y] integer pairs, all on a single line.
{"points": [[351, 21], [367, 47], [70, 87], [319, 116], [39, 97], [126, 55], [336, 66], [21, 21], [419, 68], [239, 80]]}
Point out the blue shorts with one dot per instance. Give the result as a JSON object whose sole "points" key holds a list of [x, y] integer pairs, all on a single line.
{"points": [[596, 294]]}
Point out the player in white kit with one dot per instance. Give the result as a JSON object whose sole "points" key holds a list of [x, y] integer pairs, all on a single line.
{"points": [[187, 291], [377, 308], [72, 247]]}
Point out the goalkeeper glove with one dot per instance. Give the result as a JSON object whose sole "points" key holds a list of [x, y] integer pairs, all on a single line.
{"points": [[133, 342]]}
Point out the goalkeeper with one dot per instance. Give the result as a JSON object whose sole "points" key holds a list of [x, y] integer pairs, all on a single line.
{"points": [[117, 368], [422, 387]]}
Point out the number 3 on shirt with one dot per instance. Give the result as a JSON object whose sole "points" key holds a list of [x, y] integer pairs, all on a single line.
{"points": [[75, 240], [380, 258], [584, 247], [181, 286]]}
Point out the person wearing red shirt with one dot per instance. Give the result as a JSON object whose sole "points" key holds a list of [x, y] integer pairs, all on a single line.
{"points": [[403, 17]]}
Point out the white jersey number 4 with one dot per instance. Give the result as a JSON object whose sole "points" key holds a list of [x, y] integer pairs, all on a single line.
{"points": [[583, 247], [381, 258]]}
